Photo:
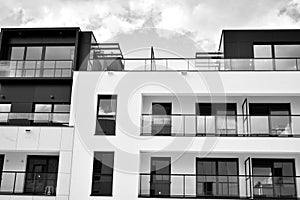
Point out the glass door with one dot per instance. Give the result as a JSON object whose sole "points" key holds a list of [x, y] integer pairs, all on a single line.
{"points": [[41, 175], [160, 180]]}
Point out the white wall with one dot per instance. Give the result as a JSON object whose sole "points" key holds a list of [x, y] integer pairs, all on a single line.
{"points": [[131, 87]]}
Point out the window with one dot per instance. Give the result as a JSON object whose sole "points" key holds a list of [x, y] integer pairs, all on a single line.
{"points": [[160, 176], [287, 51], [217, 177], [17, 53], [106, 115], [4, 112], [262, 51], [270, 119], [274, 178], [102, 180], [41, 173], [34, 53], [161, 119], [59, 53], [216, 118], [51, 113]]}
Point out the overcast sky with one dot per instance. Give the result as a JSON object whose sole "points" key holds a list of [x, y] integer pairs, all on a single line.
{"points": [[179, 26]]}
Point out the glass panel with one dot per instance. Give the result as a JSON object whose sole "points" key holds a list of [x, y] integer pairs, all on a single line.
{"points": [[17, 53], [42, 108], [262, 51], [287, 51], [61, 108], [59, 53], [263, 64], [280, 124], [286, 64], [5, 107], [259, 124], [34, 53]]}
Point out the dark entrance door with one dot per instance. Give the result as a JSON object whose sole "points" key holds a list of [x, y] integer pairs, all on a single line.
{"points": [[160, 176], [161, 120], [41, 175]]}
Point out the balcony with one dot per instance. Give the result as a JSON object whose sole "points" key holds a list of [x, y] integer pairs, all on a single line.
{"points": [[220, 125], [192, 64], [36, 68], [28, 183], [34, 119], [217, 186]]}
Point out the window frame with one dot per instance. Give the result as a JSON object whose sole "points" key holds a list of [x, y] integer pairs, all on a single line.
{"points": [[112, 174], [217, 160], [112, 96]]}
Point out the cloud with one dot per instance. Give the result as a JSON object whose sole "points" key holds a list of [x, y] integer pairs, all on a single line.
{"points": [[292, 10], [198, 21]]}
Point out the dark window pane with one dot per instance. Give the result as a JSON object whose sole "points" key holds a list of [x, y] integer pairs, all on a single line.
{"points": [[17, 53], [103, 173], [34, 53], [59, 53]]}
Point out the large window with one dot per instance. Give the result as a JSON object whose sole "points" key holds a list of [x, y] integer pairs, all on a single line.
{"points": [[160, 176], [274, 178], [216, 118], [106, 115], [41, 175], [59, 53], [270, 119], [286, 56], [103, 174], [217, 177]]}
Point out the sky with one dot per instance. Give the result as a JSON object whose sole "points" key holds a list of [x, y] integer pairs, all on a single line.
{"points": [[173, 27]]}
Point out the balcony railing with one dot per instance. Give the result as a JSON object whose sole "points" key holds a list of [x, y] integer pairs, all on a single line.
{"points": [[192, 64], [217, 186], [28, 183], [36, 68], [220, 125], [34, 119]]}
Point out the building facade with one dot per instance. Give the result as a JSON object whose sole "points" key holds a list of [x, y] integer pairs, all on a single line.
{"points": [[80, 121]]}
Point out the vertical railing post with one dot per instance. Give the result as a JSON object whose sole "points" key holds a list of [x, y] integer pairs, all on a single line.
{"points": [[15, 179], [140, 190], [184, 133], [184, 185]]}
